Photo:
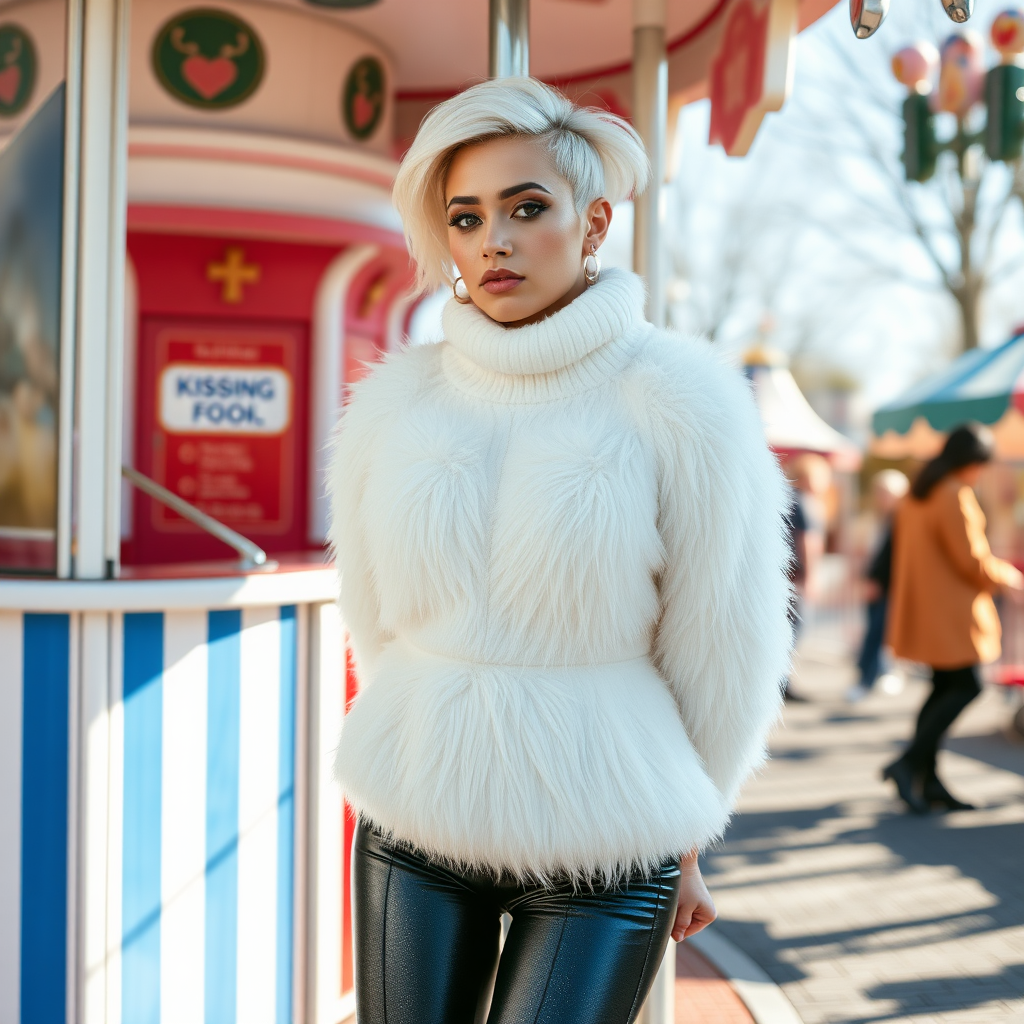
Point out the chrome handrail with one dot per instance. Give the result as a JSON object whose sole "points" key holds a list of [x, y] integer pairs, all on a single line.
{"points": [[252, 554]]}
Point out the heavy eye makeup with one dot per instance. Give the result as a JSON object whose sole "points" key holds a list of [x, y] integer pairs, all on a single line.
{"points": [[464, 221], [528, 209]]}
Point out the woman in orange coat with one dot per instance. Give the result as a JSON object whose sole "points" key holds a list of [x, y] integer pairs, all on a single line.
{"points": [[941, 610]]}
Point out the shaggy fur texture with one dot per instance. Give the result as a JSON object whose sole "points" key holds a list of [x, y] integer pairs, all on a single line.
{"points": [[562, 563]]}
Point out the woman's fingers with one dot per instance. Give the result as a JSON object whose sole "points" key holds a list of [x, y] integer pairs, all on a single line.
{"points": [[696, 909], [684, 915], [692, 918], [701, 918]]}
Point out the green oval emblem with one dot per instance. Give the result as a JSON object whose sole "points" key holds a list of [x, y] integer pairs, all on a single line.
{"points": [[17, 69], [362, 99], [208, 58]]}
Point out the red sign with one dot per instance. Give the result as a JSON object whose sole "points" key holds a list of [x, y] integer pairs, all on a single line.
{"points": [[222, 426], [751, 71]]}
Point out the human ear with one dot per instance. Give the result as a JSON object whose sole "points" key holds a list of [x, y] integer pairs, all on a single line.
{"points": [[598, 219]]}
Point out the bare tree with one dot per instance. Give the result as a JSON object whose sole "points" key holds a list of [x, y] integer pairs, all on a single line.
{"points": [[849, 123]]}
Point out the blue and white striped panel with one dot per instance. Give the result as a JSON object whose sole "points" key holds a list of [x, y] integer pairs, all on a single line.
{"points": [[34, 690], [208, 817]]}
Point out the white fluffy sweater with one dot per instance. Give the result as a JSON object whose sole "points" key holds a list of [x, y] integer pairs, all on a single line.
{"points": [[562, 567]]}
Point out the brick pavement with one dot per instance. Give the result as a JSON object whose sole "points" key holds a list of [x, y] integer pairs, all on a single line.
{"points": [[703, 996], [860, 912]]}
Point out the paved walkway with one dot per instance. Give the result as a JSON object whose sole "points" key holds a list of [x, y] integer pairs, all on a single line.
{"points": [[860, 912], [703, 996]]}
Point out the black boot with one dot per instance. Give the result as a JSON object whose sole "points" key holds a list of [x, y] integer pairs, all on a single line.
{"points": [[935, 793], [902, 774]]}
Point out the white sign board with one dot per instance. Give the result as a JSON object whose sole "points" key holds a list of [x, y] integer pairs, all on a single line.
{"points": [[197, 399]]}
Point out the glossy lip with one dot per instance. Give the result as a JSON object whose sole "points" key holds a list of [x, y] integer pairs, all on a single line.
{"points": [[496, 282]]}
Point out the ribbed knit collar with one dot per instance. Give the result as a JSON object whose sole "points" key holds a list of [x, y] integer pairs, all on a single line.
{"points": [[572, 350]]}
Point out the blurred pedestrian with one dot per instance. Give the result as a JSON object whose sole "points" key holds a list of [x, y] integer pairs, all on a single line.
{"points": [[812, 478], [796, 533], [941, 610], [806, 525], [887, 488]]}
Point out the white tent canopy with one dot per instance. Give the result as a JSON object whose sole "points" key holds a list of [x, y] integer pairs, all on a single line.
{"points": [[790, 424]]}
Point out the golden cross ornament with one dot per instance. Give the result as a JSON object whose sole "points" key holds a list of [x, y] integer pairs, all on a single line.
{"points": [[234, 272]]}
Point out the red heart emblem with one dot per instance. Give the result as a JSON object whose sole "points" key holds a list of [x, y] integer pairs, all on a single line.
{"points": [[362, 110], [208, 77], [10, 82], [1003, 33]]}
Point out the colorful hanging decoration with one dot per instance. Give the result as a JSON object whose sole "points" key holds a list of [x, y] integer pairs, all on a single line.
{"points": [[915, 66], [1007, 35], [867, 15], [752, 71], [961, 73], [208, 58], [963, 82], [958, 10]]}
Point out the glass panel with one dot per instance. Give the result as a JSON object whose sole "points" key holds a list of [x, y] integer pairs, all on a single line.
{"points": [[31, 204]]}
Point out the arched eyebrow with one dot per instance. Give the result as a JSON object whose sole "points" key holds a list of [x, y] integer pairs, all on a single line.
{"points": [[516, 189], [507, 193]]}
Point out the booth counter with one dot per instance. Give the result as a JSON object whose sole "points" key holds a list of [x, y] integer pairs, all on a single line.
{"points": [[203, 713]]}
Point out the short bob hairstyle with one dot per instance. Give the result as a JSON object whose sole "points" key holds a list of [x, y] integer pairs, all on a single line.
{"points": [[597, 153]]}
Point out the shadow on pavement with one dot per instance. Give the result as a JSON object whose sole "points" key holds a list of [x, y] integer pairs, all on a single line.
{"points": [[996, 749], [991, 854], [960, 992]]}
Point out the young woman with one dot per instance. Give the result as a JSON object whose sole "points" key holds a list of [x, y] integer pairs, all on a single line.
{"points": [[563, 569], [941, 610]]}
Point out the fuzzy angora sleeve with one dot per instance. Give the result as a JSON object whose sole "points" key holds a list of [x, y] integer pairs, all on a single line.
{"points": [[351, 449], [723, 640]]}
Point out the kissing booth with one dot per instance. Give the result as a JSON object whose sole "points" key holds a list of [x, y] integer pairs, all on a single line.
{"points": [[197, 255]]}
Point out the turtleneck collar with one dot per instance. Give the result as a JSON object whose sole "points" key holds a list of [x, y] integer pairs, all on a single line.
{"points": [[572, 350]]}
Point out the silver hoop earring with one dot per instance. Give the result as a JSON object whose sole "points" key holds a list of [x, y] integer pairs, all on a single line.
{"points": [[592, 266], [462, 296]]}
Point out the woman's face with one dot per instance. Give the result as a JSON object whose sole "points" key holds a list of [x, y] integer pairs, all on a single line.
{"points": [[514, 233]]}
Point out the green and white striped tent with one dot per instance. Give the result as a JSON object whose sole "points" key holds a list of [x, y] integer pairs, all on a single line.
{"points": [[984, 385]]}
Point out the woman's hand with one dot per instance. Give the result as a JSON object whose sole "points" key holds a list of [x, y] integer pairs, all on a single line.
{"points": [[696, 909]]}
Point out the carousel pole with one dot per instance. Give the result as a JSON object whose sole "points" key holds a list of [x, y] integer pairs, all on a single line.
{"points": [[91, 408], [509, 39], [650, 117], [100, 157]]}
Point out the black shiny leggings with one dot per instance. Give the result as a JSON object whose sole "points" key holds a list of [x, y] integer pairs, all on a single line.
{"points": [[426, 943], [952, 690]]}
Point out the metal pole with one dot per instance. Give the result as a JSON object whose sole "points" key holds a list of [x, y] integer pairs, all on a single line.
{"points": [[509, 39], [100, 256], [650, 116], [252, 554]]}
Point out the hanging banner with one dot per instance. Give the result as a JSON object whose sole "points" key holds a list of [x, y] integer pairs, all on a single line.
{"points": [[752, 70]]}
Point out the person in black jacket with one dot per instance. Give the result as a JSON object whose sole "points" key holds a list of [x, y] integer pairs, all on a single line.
{"points": [[888, 487]]}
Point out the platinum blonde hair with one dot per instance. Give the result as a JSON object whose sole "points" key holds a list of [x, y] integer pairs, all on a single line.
{"points": [[596, 152]]}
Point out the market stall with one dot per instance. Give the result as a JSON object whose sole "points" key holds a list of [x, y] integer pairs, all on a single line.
{"points": [[790, 424], [984, 385]]}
